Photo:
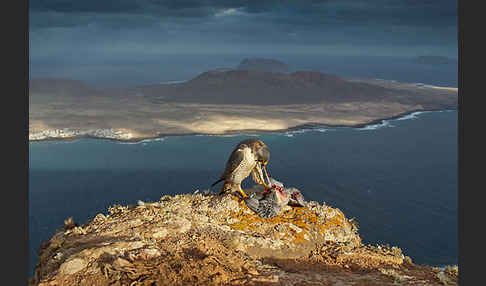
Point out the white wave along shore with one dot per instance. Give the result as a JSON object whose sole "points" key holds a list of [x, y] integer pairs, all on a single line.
{"points": [[386, 123]]}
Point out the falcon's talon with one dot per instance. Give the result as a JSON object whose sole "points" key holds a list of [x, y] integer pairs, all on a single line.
{"points": [[242, 193]]}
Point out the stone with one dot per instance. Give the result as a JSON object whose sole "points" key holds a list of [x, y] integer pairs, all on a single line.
{"points": [[58, 256], [136, 244], [151, 252], [99, 218], [160, 233], [295, 228], [183, 225], [120, 262], [72, 266]]}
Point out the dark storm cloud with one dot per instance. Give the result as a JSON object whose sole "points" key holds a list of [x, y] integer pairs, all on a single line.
{"points": [[91, 36], [310, 13], [174, 7]]}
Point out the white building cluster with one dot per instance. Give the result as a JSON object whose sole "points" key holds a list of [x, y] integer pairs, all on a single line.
{"points": [[54, 133], [68, 133], [109, 133]]}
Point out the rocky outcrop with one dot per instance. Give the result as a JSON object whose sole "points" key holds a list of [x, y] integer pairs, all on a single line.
{"points": [[197, 239]]}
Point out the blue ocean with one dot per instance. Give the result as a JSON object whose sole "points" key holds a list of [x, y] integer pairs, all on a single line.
{"points": [[398, 179]]}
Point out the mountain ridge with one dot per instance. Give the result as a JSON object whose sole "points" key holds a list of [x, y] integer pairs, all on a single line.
{"points": [[241, 87]]}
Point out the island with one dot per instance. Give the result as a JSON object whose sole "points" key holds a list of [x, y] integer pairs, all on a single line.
{"points": [[222, 101], [434, 60], [206, 239]]}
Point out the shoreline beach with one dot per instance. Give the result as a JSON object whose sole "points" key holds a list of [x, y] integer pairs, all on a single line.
{"points": [[305, 126]]}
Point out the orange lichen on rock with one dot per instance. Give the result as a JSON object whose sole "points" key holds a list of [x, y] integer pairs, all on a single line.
{"points": [[304, 223]]}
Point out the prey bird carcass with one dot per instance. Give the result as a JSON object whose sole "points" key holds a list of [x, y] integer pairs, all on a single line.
{"points": [[268, 202]]}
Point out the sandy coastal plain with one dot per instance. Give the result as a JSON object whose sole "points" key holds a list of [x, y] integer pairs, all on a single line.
{"points": [[135, 114]]}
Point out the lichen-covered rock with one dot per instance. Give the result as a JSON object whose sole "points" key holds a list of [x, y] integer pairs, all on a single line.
{"points": [[197, 239]]}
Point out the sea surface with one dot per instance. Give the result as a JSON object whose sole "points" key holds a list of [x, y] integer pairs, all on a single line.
{"points": [[398, 179]]}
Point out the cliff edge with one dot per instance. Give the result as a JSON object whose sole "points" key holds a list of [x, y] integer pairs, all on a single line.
{"points": [[196, 239]]}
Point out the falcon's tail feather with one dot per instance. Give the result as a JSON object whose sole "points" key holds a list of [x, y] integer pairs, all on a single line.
{"points": [[217, 182], [226, 188]]}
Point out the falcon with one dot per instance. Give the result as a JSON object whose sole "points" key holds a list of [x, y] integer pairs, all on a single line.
{"points": [[249, 157]]}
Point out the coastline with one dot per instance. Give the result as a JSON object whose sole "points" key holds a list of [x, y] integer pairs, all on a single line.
{"points": [[305, 126], [131, 119]]}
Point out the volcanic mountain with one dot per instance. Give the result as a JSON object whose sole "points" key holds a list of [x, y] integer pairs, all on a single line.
{"points": [[265, 88], [230, 86]]}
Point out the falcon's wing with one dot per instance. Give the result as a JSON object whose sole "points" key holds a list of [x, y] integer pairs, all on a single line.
{"points": [[257, 175], [234, 161]]}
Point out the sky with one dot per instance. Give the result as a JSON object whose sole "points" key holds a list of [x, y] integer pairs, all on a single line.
{"points": [[122, 39]]}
